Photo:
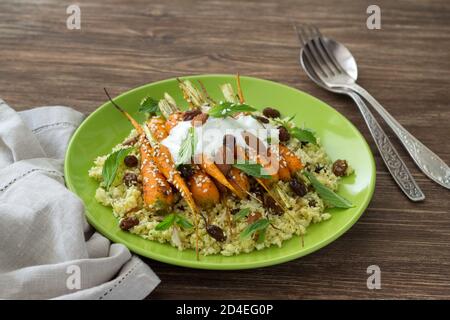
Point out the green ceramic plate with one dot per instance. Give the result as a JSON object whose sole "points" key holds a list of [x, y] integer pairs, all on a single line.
{"points": [[106, 127]]}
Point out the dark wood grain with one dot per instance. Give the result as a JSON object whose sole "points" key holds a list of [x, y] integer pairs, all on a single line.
{"points": [[406, 65]]}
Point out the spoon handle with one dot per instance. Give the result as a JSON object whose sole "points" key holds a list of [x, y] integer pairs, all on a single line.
{"points": [[433, 166], [390, 156]]}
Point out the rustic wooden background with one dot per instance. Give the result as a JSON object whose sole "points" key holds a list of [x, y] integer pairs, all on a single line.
{"points": [[406, 65]]}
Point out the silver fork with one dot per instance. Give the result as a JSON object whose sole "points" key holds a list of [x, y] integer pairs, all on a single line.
{"points": [[329, 67], [389, 154]]}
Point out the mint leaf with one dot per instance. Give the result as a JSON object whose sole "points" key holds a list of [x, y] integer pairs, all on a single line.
{"points": [[111, 165], [241, 214], [183, 222], [258, 225], [328, 195], [253, 169], [225, 109], [149, 105], [303, 135], [167, 222]]}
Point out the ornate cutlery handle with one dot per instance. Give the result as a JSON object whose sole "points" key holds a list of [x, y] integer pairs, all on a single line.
{"points": [[391, 158], [433, 166]]}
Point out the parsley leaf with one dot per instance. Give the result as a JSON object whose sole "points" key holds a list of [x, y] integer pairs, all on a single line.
{"points": [[328, 195], [111, 165], [224, 109]]}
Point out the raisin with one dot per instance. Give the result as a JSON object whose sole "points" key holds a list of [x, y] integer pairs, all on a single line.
{"points": [[272, 205], [190, 114], [186, 170], [298, 187], [271, 113], [128, 223], [131, 161], [252, 217], [262, 119], [340, 168], [130, 179], [199, 119], [284, 134], [216, 232]]}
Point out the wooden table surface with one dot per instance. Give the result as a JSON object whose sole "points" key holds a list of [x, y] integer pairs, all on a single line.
{"points": [[406, 65]]}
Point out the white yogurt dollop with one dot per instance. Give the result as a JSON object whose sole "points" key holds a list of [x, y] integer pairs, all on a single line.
{"points": [[210, 135]]}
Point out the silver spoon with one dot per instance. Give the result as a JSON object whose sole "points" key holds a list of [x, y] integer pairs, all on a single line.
{"points": [[389, 154], [339, 70]]}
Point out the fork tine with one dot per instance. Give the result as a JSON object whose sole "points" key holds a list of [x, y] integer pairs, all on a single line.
{"points": [[315, 55], [304, 38], [327, 51], [316, 40]]}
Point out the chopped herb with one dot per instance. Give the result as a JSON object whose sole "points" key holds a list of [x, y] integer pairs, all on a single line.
{"points": [[328, 195], [112, 164], [187, 148], [258, 225], [253, 169], [225, 109], [149, 105], [241, 214]]}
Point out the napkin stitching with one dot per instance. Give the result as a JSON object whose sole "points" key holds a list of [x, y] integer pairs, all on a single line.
{"points": [[10, 183], [51, 125], [118, 282]]}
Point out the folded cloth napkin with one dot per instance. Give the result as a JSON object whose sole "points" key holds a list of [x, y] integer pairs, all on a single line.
{"points": [[47, 249]]}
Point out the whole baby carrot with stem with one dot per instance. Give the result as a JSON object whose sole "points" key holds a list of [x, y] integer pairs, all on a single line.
{"points": [[157, 192], [164, 162]]}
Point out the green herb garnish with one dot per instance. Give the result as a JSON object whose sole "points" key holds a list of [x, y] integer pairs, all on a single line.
{"points": [[172, 219], [328, 195], [253, 169], [258, 225], [262, 235], [304, 135], [187, 148], [241, 214], [111, 165], [149, 105], [225, 109]]}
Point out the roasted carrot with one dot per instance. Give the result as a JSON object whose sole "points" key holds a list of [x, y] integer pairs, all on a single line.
{"points": [[239, 181], [172, 120], [164, 162], [293, 162], [157, 192], [203, 189], [211, 169], [283, 171], [157, 126]]}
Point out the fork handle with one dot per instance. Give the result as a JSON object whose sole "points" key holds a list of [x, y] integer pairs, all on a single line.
{"points": [[430, 164], [390, 156]]}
